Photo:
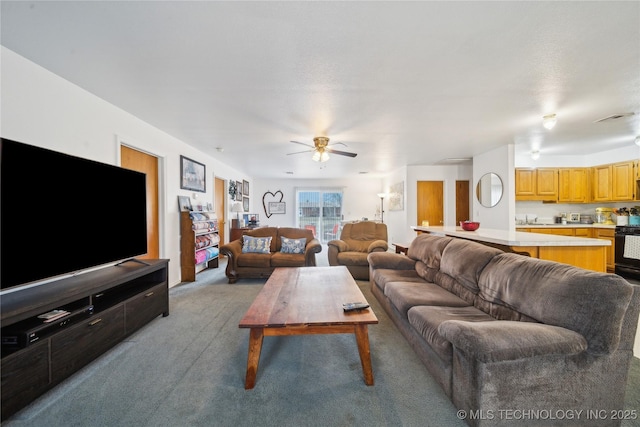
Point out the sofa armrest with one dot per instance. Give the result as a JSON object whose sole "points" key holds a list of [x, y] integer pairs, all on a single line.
{"points": [[312, 248], [378, 246], [390, 261], [340, 245], [501, 340], [232, 250]]}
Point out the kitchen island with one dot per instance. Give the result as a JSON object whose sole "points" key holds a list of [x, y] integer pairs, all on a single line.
{"points": [[582, 252]]}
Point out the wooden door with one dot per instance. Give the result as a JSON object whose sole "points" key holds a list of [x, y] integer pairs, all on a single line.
{"points": [[430, 202], [218, 205], [148, 164], [463, 213]]}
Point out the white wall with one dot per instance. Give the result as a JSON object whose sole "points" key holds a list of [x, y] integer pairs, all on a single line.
{"points": [[360, 197], [40, 108], [499, 161]]}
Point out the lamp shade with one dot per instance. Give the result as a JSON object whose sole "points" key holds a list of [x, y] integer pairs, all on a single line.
{"points": [[237, 207]]}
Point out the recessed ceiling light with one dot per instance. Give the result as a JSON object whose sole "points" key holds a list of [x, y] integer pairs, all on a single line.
{"points": [[549, 121], [535, 155], [637, 140]]}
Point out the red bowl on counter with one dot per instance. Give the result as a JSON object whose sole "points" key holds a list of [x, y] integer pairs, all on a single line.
{"points": [[469, 225]]}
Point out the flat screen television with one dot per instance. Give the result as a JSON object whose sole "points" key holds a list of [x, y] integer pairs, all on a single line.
{"points": [[61, 214]]}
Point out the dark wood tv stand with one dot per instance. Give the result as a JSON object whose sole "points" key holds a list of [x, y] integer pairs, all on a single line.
{"points": [[107, 305]]}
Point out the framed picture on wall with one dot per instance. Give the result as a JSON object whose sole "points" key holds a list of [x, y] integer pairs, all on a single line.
{"points": [[238, 191], [245, 204], [192, 175], [277, 207], [245, 188]]}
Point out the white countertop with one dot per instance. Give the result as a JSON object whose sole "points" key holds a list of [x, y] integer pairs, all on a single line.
{"points": [[513, 238], [569, 225]]}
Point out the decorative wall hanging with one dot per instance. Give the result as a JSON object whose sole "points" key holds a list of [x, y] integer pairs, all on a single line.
{"points": [[184, 203], [396, 197], [245, 188], [192, 175], [238, 191], [272, 197], [245, 204], [277, 208], [232, 189]]}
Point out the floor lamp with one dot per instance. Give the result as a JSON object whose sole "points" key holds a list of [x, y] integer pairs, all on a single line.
{"points": [[382, 196]]}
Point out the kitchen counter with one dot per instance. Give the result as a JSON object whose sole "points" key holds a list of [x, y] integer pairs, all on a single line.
{"points": [[582, 252], [569, 225]]}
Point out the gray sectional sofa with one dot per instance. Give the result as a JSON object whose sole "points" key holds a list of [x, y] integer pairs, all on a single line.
{"points": [[512, 338]]}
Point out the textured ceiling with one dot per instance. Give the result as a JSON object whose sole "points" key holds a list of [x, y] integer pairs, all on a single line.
{"points": [[400, 83]]}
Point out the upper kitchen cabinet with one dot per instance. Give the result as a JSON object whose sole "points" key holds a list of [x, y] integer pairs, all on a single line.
{"points": [[573, 185], [537, 184], [614, 182]]}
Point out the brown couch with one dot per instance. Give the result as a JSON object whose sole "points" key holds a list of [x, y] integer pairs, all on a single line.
{"points": [[260, 265], [504, 332], [357, 240]]}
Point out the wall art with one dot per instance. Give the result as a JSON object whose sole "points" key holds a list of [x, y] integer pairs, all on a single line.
{"points": [[396, 197], [269, 198], [192, 175]]}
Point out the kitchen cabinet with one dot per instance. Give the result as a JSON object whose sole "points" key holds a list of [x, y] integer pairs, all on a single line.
{"points": [[573, 185], [613, 182], [563, 231], [608, 234], [537, 184]]}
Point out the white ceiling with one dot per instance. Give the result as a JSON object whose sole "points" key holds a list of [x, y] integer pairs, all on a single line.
{"points": [[400, 83]]}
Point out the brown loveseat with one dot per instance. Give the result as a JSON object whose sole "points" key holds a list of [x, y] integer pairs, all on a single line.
{"points": [[242, 264], [504, 332], [358, 240]]}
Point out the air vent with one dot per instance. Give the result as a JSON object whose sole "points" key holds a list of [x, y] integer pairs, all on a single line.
{"points": [[614, 117]]}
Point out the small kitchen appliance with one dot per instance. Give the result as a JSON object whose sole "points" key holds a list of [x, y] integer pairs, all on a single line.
{"points": [[604, 216]]}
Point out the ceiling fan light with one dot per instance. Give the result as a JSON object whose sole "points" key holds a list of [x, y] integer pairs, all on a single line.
{"points": [[637, 140], [320, 156], [535, 155], [549, 121]]}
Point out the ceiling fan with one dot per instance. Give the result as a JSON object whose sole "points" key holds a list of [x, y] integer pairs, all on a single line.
{"points": [[321, 149]]}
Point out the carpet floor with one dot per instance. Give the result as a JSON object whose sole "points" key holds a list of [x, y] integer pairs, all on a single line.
{"points": [[188, 370]]}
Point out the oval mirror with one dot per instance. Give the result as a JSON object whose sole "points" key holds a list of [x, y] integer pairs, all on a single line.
{"points": [[489, 190]]}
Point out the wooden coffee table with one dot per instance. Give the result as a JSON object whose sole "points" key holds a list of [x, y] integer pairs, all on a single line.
{"points": [[307, 300]]}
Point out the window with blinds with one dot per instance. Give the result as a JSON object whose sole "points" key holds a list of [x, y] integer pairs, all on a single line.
{"points": [[320, 210]]}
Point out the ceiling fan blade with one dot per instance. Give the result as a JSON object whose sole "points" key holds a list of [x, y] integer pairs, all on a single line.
{"points": [[302, 143], [300, 152], [341, 153], [336, 143]]}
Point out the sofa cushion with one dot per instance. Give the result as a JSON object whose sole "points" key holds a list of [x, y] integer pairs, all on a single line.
{"points": [[292, 246], [353, 258], [584, 301], [254, 260], [281, 259], [428, 248], [464, 260], [404, 295], [426, 320], [267, 232], [382, 276], [259, 245], [290, 233]]}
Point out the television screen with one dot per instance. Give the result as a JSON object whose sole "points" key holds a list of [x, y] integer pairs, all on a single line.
{"points": [[62, 214]]}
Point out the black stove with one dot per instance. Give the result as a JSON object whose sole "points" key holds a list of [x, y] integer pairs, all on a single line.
{"points": [[627, 251]]}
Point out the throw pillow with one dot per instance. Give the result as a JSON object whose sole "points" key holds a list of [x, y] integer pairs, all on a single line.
{"points": [[258, 245], [293, 246]]}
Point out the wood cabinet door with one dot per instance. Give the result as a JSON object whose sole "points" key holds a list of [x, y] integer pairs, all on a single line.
{"points": [[623, 184], [601, 183], [547, 183], [525, 184], [564, 185], [579, 189], [608, 234], [555, 231]]}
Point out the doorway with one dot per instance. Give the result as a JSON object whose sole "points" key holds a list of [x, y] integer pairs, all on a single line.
{"points": [[463, 212], [146, 163], [430, 199]]}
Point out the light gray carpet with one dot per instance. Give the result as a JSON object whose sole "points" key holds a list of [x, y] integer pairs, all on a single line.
{"points": [[188, 370]]}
